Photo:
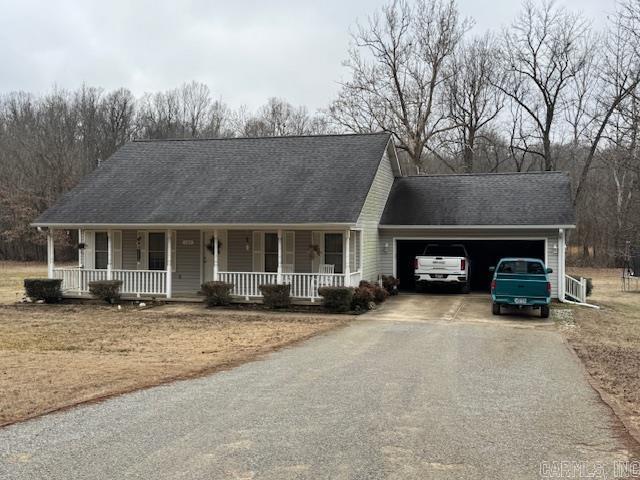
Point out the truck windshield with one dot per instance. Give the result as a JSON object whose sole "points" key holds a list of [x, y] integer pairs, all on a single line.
{"points": [[444, 251], [521, 266]]}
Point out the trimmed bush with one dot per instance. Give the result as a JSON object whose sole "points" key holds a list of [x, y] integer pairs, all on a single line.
{"points": [[276, 296], [47, 289], [390, 284], [217, 294], [379, 294], [107, 290], [336, 299], [362, 298]]}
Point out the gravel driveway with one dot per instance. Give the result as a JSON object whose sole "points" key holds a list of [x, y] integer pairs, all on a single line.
{"points": [[378, 399]]}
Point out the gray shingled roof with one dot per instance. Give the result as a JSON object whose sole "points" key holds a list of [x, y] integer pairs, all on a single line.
{"points": [[541, 198], [306, 179]]}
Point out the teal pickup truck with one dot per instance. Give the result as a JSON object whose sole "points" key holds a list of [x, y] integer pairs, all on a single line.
{"points": [[521, 282]]}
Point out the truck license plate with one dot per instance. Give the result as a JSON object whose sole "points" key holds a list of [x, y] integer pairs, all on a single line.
{"points": [[439, 275], [520, 301]]}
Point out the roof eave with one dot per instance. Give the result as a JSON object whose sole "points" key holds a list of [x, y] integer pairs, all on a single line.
{"points": [[477, 227], [187, 226]]}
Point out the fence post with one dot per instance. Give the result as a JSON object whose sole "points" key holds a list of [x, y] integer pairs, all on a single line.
{"points": [[583, 292]]}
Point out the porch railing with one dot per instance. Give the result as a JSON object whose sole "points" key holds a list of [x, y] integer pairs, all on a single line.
{"points": [[303, 285], [134, 282], [575, 289]]}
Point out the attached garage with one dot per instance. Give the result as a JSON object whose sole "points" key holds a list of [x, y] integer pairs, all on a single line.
{"points": [[482, 255], [492, 215]]}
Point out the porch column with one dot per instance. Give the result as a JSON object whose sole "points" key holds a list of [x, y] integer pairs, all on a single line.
{"points": [[169, 266], [215, 256], [50, 255], [80, 261], [109, 255], [279, 276], [347, 266], [561, 264]]}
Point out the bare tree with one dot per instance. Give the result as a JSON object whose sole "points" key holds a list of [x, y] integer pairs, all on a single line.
{"points": [[618, 78], [542, 51], [398, 70], [473, 99]]}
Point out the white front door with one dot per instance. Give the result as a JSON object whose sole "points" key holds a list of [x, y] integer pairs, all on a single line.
{"points": [[207, 256]]}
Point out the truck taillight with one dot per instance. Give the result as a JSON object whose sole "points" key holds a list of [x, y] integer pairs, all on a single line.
{"points": [[415, 263], [463, 264], [493, 285], [549, 288]]}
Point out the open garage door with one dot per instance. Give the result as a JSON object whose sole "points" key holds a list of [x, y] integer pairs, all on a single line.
{"points": [[482, 255]]}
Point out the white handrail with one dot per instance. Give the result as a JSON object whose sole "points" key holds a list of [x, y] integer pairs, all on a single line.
{"points": [[303, 285], [134, 282], [575, 289]]}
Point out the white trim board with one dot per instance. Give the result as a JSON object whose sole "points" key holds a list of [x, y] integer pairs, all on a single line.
{"points": [[200, 226], [475, 227], [394, 250]]}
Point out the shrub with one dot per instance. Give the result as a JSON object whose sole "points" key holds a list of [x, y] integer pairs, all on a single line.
{"points": [[217, 293], [107, 290], [378, 293], [336, 299], [47, 289], [589, 286], [362, 298], [276, 296], [390, 284]]}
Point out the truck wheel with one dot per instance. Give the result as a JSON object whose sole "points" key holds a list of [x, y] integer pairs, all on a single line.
{"points": [[495, 308], [544, 311], [465, 288]]}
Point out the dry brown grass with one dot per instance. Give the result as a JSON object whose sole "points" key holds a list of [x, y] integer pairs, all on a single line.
{"points": [[54, 356], [12, 275], [608, 340]]}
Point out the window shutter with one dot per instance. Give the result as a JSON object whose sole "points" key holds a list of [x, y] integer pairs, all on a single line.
{"points": [[89, 255], [317, 240], [258, 251], [116, 239], [289, 248], [174, 240], [143, 257], [353, 245]]}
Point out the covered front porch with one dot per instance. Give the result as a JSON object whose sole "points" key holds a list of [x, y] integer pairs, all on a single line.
{"points": [[172, 263]]}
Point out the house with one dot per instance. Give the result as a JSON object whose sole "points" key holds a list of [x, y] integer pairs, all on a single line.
{"points": [[164, 216]]}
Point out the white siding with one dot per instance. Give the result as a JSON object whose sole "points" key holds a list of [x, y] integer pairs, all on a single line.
{"points": [[370, 217], [551, 236]]}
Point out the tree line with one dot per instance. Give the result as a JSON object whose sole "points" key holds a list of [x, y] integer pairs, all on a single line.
{"points": [[548, 92]]}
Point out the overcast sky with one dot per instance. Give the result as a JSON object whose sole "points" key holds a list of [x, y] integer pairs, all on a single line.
{"points": [[246, 51]]}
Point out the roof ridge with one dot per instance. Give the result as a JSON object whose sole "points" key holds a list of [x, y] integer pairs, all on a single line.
{"points": [[483, 174], [264, 137]]}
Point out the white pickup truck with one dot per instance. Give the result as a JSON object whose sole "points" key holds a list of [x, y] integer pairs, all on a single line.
{"points": [[442, 264]]}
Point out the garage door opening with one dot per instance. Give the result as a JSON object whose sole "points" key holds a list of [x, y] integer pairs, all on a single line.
{"points": [[482, 255]]}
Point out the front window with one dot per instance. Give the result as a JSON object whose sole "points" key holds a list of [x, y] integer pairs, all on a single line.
{"points": [[101, 251], [270, 252], [156, 251], [333, 251]]}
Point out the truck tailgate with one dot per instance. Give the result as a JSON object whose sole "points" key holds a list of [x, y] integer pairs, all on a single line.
{"points": [[519, 285], [443, 264]]}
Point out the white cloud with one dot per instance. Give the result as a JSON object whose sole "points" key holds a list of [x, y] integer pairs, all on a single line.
{"points": [[246, 51]]}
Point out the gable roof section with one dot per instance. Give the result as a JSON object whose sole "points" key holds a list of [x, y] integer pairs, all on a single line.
{"points": [[267, 180], [499, 199]]}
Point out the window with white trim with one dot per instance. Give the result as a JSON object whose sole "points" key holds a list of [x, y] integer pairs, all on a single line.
{"points": [[156, 251], [101, 250], [333, 251]]}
